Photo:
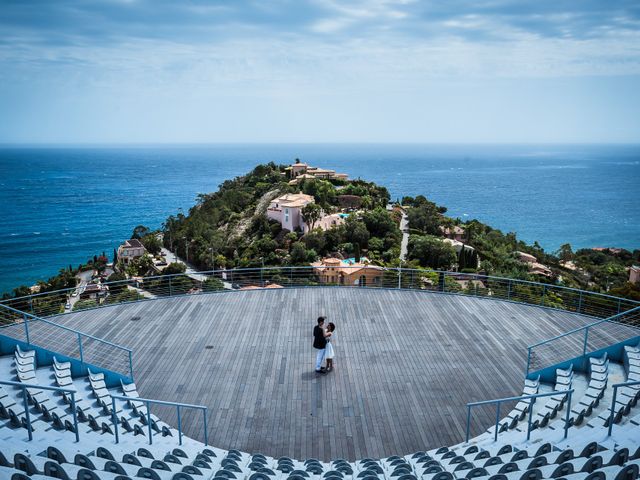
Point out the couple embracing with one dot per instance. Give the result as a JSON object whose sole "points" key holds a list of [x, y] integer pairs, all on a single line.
{"points": [[322, 343]]}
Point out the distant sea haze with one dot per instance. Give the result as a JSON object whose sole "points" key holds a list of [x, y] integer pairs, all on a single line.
{"points": [[60, 206]]}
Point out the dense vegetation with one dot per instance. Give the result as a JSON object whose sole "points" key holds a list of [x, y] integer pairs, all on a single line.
{"points": [[596, 270], [229, 229]]}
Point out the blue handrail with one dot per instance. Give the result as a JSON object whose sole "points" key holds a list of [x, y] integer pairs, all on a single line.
{"points": [[613, 401], [586, 330], [148, 402], [532, 398], [25, 386], [27, 317]]}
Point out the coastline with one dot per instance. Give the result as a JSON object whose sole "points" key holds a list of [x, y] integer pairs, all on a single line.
{"points": [[94, 200]]}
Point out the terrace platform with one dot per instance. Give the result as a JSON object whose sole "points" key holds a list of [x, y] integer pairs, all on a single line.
{"points": [[407, 362]]}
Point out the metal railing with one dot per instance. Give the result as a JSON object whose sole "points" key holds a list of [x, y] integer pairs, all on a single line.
{"points": [[25, 386], [68, 341], [531, 293], [613, 401], [148, 402], [583, 340], [565, 393]]}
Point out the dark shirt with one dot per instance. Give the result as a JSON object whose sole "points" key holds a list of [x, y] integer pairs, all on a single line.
{"points": [[319, 341]]}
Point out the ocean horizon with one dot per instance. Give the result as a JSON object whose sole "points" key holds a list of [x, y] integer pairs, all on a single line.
{"points": [[63, 204]]}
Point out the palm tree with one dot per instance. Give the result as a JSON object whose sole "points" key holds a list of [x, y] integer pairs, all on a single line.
{"points": [[311, 213]]}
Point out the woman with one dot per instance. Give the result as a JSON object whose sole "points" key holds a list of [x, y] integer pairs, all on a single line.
{"points": [[328, 353]]}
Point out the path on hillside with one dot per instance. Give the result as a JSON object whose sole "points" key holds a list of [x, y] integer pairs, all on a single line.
{"points": [[190, 271], [404, 228]]}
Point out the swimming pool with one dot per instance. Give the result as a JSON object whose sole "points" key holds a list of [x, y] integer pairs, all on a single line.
{"points": [[352, 260]]}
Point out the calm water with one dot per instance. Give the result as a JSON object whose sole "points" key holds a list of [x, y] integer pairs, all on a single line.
{"points": [[62, 205]]}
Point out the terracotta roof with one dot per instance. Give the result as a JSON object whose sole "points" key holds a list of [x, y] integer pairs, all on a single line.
{"points": [[294, 200], [455, 230], [133, 243], [526, 257], [327, 263]]}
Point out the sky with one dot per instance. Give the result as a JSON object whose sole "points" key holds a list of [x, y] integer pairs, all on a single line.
{"points": [[455, 71]]}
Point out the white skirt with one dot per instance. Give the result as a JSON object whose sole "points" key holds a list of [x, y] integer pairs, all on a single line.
{"points": [[328, 350]]}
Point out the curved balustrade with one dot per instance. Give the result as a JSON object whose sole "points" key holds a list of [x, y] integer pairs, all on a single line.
{"points": [[531, 293]]}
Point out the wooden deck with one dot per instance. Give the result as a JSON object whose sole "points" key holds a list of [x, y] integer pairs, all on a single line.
{"points": [[406, 364]]}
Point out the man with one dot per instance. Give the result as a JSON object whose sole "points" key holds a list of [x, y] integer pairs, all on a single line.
{"points": [[319, 343]]}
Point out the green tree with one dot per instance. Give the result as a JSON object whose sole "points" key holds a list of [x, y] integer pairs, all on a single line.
{"points": [[356, 231], [140, 231], [565, 253], [356, 252], [311, 213], [299, 254], [425, 216], [152, 243], [211, 284], [379, 222], [174, 268], [431, 252]]}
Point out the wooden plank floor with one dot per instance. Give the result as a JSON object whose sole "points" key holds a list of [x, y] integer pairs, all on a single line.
{"points": [[406, 364]]}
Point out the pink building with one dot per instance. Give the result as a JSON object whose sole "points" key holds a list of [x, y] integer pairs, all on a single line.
{"points": [[287, 210], [634, 274]]}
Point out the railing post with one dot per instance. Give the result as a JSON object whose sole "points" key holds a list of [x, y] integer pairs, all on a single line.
{"points": [[114, 418], [75, 416], [206, 432], [586, 341], [468, 423], [170, 288], [26, 328], [130, 366], [579, 302], [544, 294], [528, 360], [613, 407], [149, 423], [566, 418], [80, 348], [399, 278], [495, 433], [619, 300], [509, 290], [529, 419], [26, 412], [179, 426]]}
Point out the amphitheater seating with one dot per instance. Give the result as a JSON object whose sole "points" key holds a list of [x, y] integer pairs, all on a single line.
{"points": [[587, 453], [554, 404], [519, 412]]}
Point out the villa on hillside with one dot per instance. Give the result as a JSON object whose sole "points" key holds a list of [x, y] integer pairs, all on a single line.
{"points": [[454, 233], [287, 209], [130, 250], [634, 274], [457, 245], [301, 171], [348, 272], [94, 291], [534, 266]]}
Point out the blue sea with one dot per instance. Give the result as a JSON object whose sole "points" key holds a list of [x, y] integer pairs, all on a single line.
{"points": [[60, 206]]}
